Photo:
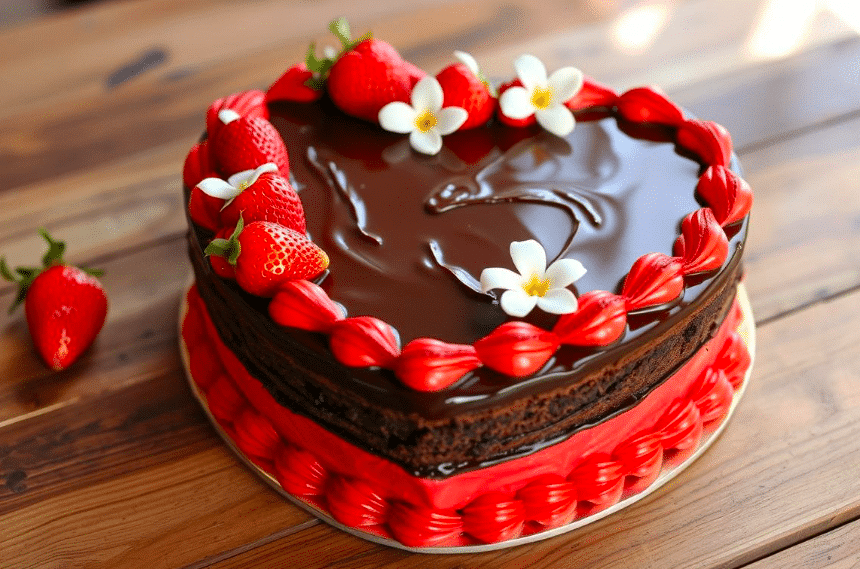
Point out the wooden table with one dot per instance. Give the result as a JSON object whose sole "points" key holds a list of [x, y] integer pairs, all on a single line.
{"points": [[112, 463]]}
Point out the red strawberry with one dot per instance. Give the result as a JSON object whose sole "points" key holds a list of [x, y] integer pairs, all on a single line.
{"points": [[245, 103], [294, 85], [270, 198], [368, 77], [243, 143], [463, 87], [267, 254], [65, 306], [197, 165]]}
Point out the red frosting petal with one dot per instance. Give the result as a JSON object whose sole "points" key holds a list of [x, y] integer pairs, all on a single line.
{"points": [[649, 104], [549, 500], [292, 86], [224, 400], [734, 359], [708, 140], [599, 480], [299, 472], [712, 393], [642, 457], [364, 341], [418, 526], [303, 304], [494, 517], [654, 279], [204, 365], [426, 364], [680, 427], [517, 348], [726, 193], [702, 245], [592, 94], [245, 103], [255, 435], [354, 503], [599, 320]]}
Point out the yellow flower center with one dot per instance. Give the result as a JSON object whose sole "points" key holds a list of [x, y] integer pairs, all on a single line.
{"points": [[243, 185], [425, 121], [536, 286], [542, 97]]}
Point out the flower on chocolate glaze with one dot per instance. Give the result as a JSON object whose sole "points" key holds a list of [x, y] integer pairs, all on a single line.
{"points": [[235, 184], [544, 97], [535, 285], [425, 120]]}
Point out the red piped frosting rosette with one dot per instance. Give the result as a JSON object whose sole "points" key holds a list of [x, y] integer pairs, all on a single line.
{"points": [[588, 473]]}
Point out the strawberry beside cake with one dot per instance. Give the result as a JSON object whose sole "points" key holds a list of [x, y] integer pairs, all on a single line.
{"points": [[447, 313]]}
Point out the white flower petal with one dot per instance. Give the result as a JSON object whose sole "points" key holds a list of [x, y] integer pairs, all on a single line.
{"points": [[558, 301], [529, 258], [496, 277], [429, 142], [516, 103], [218, 188], [517, 303], [248, 177], [227, 116], [397, 117], [564, 272], [427, 95], [450, 119], [467, 60], [565, 83], [531, 71], [557, 119]]}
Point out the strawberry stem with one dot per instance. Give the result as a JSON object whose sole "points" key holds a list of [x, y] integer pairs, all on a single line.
{"points": [[230, 248], [321, 66]]}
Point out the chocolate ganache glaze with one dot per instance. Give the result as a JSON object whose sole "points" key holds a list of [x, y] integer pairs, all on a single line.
{"points": [[408, 236]]}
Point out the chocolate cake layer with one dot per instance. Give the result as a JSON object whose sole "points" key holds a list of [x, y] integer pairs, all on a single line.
{"points": [[408, 235]]}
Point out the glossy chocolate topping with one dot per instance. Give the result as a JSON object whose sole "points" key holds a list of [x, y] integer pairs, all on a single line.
{"points": [[408, 235]]}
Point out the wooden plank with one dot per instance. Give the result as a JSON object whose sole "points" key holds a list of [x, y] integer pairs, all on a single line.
{"points": [[836, 549], [804, 232], [783, 471]]}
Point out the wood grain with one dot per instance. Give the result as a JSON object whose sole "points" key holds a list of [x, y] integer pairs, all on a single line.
{"points": [[836, 549]]}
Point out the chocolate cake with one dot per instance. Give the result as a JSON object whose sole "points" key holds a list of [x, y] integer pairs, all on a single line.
{"points": [[640, 193]]}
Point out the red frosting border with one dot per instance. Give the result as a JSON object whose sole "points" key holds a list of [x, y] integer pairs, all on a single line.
{"points": [[588, 472]]}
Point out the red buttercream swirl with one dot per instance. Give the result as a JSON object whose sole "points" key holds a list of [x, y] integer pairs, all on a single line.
{"points": [[727, 194], [426, 364], [494, 517], [364, 341], [649, 105], [593, 94], [517, 348], [549, 500], [599, 320], [654, 279], [702, 245], [354, 503], [708, 140], [303, 304]]}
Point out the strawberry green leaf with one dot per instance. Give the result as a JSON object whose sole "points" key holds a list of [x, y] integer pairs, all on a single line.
{"points": [[54, 255], [5, 272], [340, 28]]}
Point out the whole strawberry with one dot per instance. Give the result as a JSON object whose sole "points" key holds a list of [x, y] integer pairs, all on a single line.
{"points": [[465, 87], [65, 306], [267, 254], [257, 195], [243, 143]]}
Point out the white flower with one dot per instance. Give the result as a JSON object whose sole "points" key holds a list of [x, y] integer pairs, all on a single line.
{"points": [[536, 285], [235, 184], [425, 120], [542, 97]]}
